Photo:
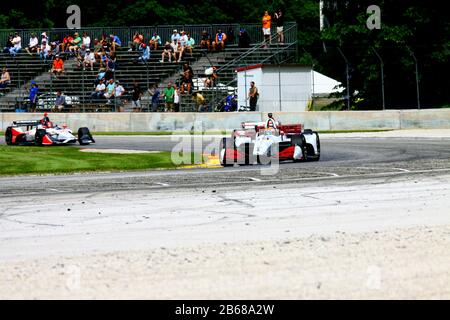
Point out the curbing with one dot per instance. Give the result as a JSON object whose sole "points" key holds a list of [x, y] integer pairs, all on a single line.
{"points": [[320, 120]]}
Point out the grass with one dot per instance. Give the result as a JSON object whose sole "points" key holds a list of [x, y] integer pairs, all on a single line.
{"points": [[66, 159]]}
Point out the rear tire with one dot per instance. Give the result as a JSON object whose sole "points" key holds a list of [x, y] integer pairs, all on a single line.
{"points": [[225, 144], [8, 136]]}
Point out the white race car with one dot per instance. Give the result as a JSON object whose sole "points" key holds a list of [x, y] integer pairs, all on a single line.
{"points": [[33, 132], [256, 143]]}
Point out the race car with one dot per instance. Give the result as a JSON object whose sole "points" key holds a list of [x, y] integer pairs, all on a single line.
{"points": [[35, 133], [255, 143]]}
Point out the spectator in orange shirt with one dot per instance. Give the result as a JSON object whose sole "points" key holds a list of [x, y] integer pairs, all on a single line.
{"points": [[266, 22], [58, 66]]}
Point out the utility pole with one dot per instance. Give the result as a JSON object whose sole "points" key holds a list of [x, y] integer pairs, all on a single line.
{"points": [[348, 77], [417, 76], [382, 77]]}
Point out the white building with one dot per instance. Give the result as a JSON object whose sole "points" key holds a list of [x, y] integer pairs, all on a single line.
{"points": [[288, 87]]}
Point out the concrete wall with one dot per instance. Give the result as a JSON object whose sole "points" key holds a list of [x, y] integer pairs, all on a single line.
{"points": [[333, 120]]}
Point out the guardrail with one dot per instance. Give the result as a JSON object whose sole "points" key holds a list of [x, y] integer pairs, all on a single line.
{"points": [[165, 31]]}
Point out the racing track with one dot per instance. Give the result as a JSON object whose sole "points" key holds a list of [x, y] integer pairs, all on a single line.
{"points": [[372, 208]]}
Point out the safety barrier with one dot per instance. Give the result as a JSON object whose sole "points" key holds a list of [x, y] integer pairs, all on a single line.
{"points": [[325, 120]]}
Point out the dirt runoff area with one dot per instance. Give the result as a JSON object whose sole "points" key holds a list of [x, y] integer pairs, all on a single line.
{"points": [[411, 263]]}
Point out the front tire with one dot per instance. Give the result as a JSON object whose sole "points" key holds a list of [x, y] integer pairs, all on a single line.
{"points": [[39, 136], [300, 141], [85, 137]]}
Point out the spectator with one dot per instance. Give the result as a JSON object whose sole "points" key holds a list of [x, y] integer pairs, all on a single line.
{"points": [[211, 77], [155, 41], [136, 95], [144, 51], [167, 52], [58, 66], [9, 43], [183, 39], [279, 20], [98, 50], [33, 96], [176, 98], [266, 22], [186, 78], [115, 42], [45, 37], [5, 79], [100, 76], [205, 41], [44, 51], [80, 56], [253, 95], [155, 94], [106, 43], [168, 94], [138, 38], [178, 52], [243, 39], [60, 102], [110, 89], [99, 92], [17, 45], [190, 43], [86, 40], [55, 45], [175, 36], [109, 74], [111, 63], [119, 92], [67, 40], [76, 43], [200, 101], [89, 60], [33, 44], [219, 41]]}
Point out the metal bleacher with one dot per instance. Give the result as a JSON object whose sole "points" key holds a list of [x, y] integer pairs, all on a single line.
{"points": [[79, 84]]}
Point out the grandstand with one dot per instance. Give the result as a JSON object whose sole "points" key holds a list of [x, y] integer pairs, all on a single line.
{"points": [[78, 83]]}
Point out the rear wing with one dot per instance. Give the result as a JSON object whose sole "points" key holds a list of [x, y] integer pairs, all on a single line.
{"points": [[291, 128], [26, 123], [286, 128]]}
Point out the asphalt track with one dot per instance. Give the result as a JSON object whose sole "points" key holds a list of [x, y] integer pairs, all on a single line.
{"points": [[360, 186]]}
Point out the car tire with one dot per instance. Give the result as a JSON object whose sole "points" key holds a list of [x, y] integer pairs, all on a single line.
{"points": [[265, 159], [225, 143], [8, 136], [300, 141], [83, 135], [39, 136], [316, 157]]}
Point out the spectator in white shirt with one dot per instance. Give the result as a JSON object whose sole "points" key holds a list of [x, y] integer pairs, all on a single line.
{"points": [[17, 44], [33, 44], [86, 40], [89, 59]]}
